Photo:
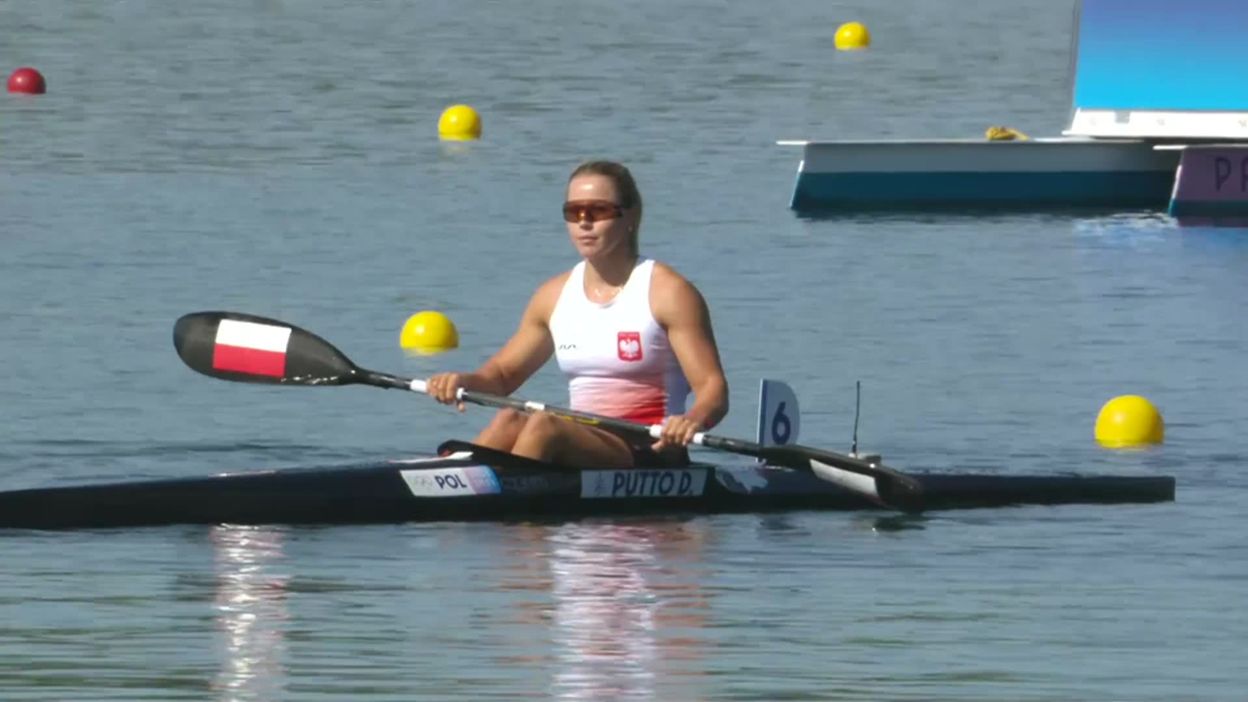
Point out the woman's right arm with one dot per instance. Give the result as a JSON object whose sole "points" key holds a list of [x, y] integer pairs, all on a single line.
{"points": [[525, 352]]}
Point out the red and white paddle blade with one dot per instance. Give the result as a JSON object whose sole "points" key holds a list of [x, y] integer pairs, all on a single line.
{"points": [[253, 349]]}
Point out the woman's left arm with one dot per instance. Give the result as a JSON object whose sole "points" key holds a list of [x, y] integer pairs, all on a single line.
{"points": [[682, 311]]}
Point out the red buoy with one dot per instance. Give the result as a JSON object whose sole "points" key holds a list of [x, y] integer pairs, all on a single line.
{"points": [[27, 80]]}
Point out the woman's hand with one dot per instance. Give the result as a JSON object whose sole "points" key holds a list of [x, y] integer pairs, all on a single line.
{"points": [[444, 387], [678, 430]]}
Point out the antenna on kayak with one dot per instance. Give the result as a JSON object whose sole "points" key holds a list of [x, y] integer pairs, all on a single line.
{"points": [[853, 449], [873, 458]]}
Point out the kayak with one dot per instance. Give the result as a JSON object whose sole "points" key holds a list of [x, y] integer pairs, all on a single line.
{"points": [[468, 482], [464, 481]]}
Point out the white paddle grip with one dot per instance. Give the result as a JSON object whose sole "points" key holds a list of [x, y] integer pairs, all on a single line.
{"points": [[656, 432], [423, 386]]}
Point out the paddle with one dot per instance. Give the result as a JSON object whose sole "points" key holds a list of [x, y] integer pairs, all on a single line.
{"points": [[251, 349]]}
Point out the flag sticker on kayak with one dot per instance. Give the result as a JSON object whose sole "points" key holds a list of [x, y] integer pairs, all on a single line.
{"points": [[452, 482], [675, 482], [249, 347]]}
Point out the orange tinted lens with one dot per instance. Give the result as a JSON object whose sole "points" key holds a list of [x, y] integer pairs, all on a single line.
{"points": [[591, 210]]}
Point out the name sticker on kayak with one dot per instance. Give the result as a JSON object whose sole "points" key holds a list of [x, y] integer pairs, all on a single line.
{"points": [[452, 482], [673, 482]]}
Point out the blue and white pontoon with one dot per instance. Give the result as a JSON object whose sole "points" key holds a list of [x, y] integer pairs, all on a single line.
{"points": [[1159, 121]]}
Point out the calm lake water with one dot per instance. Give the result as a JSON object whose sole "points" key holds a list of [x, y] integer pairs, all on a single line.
{"points": [[278, 157]]}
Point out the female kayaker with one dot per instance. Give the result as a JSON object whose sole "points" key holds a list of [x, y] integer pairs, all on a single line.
{"points": [[633, 336]]}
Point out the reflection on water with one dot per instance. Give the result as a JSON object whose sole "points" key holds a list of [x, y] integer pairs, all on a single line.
{"points": [[588, 611], [251, 612], [623, 603], [604, 611], [1125, 229]]}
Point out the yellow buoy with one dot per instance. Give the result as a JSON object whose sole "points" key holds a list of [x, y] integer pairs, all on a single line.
{"points": [[459, 123], [851, 36], [1128, 421], [427, 333]]}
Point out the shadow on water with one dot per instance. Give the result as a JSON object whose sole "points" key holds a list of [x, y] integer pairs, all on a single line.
{"points": [[899, 522], [1215, 238]]}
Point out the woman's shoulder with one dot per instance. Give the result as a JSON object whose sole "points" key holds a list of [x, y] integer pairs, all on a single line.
{"points": [[666, 278], [672, 295]]}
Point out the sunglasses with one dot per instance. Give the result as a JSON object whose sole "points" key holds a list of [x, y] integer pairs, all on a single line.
{"points": [[590, 210]]}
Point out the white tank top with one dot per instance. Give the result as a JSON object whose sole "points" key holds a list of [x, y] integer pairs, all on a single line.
{"points": [[616, 356]]}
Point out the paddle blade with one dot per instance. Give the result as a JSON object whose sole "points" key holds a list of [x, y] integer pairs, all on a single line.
{"points": [[251, 349]]}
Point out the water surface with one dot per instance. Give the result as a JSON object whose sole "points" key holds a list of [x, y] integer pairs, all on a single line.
{"points": [[278, 157]]}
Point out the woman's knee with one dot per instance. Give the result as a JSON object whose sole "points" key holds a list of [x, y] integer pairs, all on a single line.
{"points": [[509, 419], [542, 425]]}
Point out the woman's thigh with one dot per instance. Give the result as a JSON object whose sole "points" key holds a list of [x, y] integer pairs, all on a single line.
{"points": [[551, 438]]}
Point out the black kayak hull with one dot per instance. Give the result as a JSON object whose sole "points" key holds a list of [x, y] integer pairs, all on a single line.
{"points": [[487, 486]]}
